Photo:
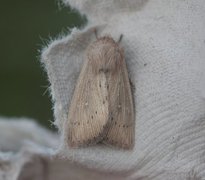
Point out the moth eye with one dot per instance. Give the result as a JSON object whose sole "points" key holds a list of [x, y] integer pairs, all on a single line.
{"points": [[96, 112], [108, 86], [92, 117], [100, 84]]}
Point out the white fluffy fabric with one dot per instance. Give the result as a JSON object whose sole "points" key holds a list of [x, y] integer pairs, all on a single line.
{"points": [[164, 43], [17, 132], [21, 139]]}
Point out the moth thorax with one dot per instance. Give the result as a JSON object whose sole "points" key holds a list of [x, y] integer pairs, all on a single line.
{"points": [[105, 58]]}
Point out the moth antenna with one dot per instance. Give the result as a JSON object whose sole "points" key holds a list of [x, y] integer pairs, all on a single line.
{"points": [[121, 36], [96, 34]]}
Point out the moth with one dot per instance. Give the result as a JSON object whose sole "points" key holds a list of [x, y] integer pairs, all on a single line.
{"points": [[101, 108]]}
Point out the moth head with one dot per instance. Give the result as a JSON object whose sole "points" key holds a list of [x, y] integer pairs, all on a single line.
{"points": [[105, 55]]}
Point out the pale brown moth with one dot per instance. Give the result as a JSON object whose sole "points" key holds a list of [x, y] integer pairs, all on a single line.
{"points": [[101, 108]]}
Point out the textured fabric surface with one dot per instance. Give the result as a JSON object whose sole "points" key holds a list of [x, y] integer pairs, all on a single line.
{"points": [[20, 141], [28, 151], [15, 133], [164, 43], [165, 53]]}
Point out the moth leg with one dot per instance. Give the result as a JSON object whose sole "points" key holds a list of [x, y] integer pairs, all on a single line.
{"points": [[96, 34], [132, 85], [120, 38]]}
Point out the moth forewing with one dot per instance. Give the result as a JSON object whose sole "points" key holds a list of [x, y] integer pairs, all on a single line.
{"points": [[121, 111], [88, 111]]}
